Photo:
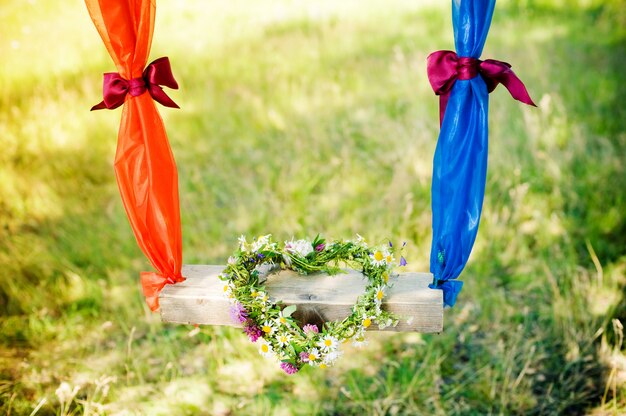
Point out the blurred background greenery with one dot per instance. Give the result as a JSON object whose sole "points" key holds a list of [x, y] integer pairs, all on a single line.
{"points": [[301, 117]]}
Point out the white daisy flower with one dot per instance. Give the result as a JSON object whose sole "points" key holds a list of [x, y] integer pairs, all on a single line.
{"points": [[232, 261], [359, 341], [314, 357], [379, 294], [226, 289], [260, 242], [265, 348], [378, 258], [267, 328], [299, 247], [261, 296], [283, 339], [332, 356], [382, 257], [281, 320], [328, 343], [228, 292], [389, 259], [366, 321]]}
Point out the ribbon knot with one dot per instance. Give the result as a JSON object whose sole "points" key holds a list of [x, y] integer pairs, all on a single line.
{"points": [[152, 283], [467, 68], [157, 73], [445, 67]]}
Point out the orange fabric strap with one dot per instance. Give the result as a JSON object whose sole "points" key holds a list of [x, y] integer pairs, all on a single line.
{"points": [[144, 165]]}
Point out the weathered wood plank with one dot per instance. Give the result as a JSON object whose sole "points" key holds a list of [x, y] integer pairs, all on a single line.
{"points": [[319, 297]]}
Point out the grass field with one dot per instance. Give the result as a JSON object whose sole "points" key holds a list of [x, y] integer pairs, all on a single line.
{"points": [[304, 117]]}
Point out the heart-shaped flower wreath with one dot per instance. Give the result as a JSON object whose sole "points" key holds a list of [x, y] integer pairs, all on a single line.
{"points": [[270, 322]]}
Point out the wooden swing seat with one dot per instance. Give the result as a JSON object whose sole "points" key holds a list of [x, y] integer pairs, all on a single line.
{"points": [[318, 297]]}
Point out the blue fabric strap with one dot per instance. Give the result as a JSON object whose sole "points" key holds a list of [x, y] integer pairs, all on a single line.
{"points": [[460, 162]]}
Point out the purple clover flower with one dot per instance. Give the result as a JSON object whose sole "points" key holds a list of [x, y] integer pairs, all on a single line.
{"points": [[304, 357], [289, 368], [402, 261], [238, 313], [310, 329], [320, 247], [253, 331]]}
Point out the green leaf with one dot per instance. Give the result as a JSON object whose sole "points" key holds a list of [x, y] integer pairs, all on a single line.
{"points": [[289, 310], [292, 349]]}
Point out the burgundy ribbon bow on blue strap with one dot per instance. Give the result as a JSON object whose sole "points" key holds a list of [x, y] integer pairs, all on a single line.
{"points": [[157, 73], [445, 67]]}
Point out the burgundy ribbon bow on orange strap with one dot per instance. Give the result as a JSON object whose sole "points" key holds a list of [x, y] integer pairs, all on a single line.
{"points": [[445, 67], [157, 73]]}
